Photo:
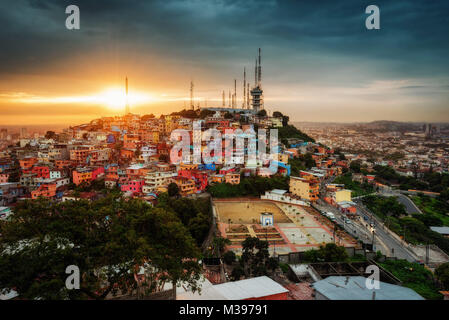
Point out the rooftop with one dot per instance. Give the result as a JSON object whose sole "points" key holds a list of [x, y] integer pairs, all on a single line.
{"points": [[441, 230], [278, 191], [250, 288], [354, 288]]}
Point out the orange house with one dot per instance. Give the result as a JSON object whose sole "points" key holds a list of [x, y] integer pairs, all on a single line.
{"points": [[79, 155], [27, 163], [45, 190], [126, 154], [186, 185], [82, 175], [232, 178], [216, 178], [61, 164]]}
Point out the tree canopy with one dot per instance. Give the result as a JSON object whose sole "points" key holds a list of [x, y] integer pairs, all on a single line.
{"points": [[256, 260], [328, 253], [108, 240]]}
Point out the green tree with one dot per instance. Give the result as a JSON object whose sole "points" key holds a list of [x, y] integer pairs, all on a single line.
{"points": [[108, 240], [173, 189], [308, 160], [256, 259], [228, 115], [206, 113], [50, 135], [237, 273], [219, 244], [355, 166], [229, 257], [442, 274], [328, 253], [262, 113]]}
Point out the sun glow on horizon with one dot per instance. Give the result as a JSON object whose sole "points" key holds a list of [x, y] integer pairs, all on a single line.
{"points": [[113, 98]]}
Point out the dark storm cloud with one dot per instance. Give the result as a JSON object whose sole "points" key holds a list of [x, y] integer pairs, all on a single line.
{"points": [[413, 40]]}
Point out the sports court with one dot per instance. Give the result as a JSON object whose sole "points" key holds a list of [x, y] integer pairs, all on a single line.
{"points": [[296, 228]]}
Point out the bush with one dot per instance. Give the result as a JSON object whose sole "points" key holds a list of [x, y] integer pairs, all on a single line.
{"points": [[251, 186], [229, 257], [284, 267], [237, 273], [442, 273], [413, 276]]}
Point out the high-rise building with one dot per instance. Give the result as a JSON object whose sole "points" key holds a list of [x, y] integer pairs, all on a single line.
{"points": [[23, 133], [3, 133]]}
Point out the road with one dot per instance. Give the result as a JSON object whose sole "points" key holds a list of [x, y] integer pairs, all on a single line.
{"points": [[361, 228], [355, 228], [396, 247], [410, 207]]}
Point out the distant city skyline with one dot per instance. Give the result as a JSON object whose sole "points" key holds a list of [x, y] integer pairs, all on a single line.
{"points": [[320, 63]]}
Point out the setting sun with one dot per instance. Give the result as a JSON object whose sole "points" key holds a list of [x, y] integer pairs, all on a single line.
{"points": [[115, 98], [112, 98]]}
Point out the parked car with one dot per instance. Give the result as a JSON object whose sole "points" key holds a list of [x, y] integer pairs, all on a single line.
{"points": [[331, 216]]}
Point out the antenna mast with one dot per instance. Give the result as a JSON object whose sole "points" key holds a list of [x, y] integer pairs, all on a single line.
{"points": [[127, 102], [259, 72], [191, 96], [244, 88]]}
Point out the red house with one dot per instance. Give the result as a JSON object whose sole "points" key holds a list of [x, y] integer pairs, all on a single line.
{"points": [[201, 177], [134, 186], [41, 171]]}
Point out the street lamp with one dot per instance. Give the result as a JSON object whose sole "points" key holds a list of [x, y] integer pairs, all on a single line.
{"points": [[372, 230]]}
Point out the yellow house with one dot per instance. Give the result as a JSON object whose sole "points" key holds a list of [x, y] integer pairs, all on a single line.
{"points": [[216, 178], [307, 189], [232, 178], [186, 186], [283, 157], [186, 166], [343, 195]]}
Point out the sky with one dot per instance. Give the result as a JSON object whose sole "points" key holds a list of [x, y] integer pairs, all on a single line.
{"points": [[319, 62]]}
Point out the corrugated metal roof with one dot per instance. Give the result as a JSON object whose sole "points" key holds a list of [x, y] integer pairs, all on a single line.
{"points": [[354, 288], [278, 191], [442, 230], [250, 288]]}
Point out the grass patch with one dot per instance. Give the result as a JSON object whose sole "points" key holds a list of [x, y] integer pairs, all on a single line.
{"points": [[433, 207], [358, 189], [414, 276]]}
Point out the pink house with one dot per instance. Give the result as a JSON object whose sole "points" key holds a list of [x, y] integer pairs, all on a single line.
{"points": [[135, 186]]}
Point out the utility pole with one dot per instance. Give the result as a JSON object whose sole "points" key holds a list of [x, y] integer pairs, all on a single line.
{"points": [[335, 226]]}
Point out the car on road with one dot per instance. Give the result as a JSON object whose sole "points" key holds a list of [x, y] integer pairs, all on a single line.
{"points": [[347, 220], [331, 216]]}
